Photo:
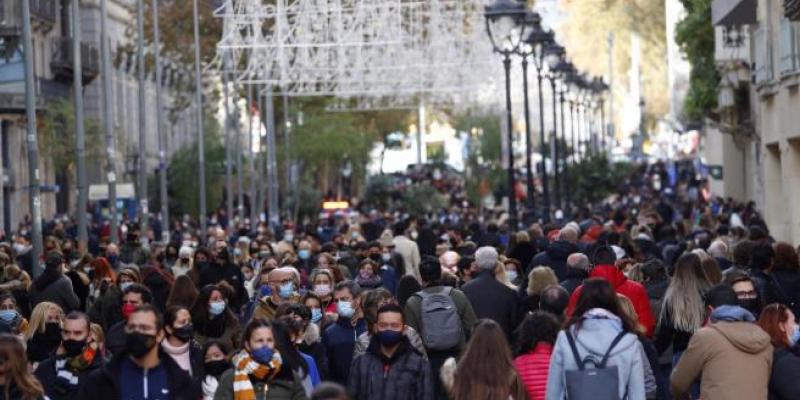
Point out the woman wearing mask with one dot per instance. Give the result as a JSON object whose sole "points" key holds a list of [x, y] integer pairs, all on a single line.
{"points": [[202, 260], [106, 310], [213, 319], [486, 369], [102, 277], [16, 380], [44, 332], [782, 326], [594, 326], [513, 271], [310, 340], [179, 342], [215, 363], [268, 367], [11, 320], [369, 275], [313, 303], [322, 286]]}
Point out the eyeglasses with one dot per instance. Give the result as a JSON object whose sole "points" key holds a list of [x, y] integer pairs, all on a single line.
{"points": [[749, 294], [140, 328]]}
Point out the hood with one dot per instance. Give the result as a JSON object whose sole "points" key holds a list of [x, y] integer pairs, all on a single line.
{"points": [[729, 313], [745, 336], [560, 250], [610, 273], [596, 335]]}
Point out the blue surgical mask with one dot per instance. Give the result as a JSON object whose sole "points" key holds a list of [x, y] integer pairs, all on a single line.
{"points": [[390, 337], [8, 315], [345, 309], [262, 355], [287, 290], [386, 257], [304, 254], [216, 308], [512, 275], [266, 290], [316, 315], [792, 340]]}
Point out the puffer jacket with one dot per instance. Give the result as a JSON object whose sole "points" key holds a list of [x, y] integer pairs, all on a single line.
{"points": [[593, 339], [634, 291], [406, 375], [533, 369]]}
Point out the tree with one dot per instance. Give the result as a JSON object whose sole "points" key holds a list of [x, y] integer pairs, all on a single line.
{"points": [[485, 174], [695, 35]]}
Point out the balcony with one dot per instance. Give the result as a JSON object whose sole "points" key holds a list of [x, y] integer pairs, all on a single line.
{"points": [[731, 44], [44, 14], [63, 58]]}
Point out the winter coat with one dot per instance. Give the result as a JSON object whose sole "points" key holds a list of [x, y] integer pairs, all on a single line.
{"points": [[593, 339], [523, 252], [59, 291], [231, 274], [409, 250], [555, 257], [266, 308], [362, 344], [104, 382], [667, 335], [734, 359], [231, 336], [533, 368], [406, 375], [312, 345], [634, 291], [494, 300], [46, 374], [787, 288], [279, 389], [413, 313], [339, 340], [575, 278], [656, 290], [784, 381]]}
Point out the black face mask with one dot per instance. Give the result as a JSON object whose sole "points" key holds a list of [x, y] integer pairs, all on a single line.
{"points": [[752, 305], [217, 367], [184, 333], [138, 344], [376, 257], [73, 347], [52, 332]]}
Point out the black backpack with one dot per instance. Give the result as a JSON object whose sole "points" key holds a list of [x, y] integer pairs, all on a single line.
{"points": [[598, 383]]}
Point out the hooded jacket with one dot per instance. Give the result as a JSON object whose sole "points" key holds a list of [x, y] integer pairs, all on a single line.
{"points": [[593, 339], [634, 291], [733, 356]]}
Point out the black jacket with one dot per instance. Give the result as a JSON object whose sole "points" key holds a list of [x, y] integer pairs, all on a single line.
{"points": [[783, 381], [787, 288], [406, 375], [115, 338], [59, 291], [46, 374], [523, 252], [555, 257], [764, 286], [230, 273], [103, 383], [494, 300], [575, 278]]}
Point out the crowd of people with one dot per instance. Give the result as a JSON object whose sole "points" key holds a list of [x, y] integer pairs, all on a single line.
{"points": [[653, 294]]}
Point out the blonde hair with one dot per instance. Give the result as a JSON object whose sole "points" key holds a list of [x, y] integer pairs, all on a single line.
{"points": [[629, 313], [501, 276], [539, 278], [99, 335], [13, 271], [39, 318]]}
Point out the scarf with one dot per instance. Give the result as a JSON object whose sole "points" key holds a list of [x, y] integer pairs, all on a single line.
{"points": [[244, 367], [68, 369]]}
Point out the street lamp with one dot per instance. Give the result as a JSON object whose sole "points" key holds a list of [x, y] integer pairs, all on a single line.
{"points": [[504, 24], [602, 88], [532, 21], [567, 71], [557, 68]]}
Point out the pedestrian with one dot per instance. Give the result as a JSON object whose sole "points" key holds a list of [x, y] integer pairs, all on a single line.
{"points": [[405, 373], [407, 249], [266, 368], [554, 299], [577, 270], [134, 296], [216, 361], [107, 310], [53, 286], [309, 342], [11, 320], [594, 330], [486, 369], [369, 275], [284, 282], [43, 335], [340, 337], [555, 255], [780, 323], [538, 279], [223, 269], [179, 341], [141, 370], [158, 277], [785, 275], [17, 382], [214, 319], [372, 301], [183, 293], [730, 338], [78, 355], [535, 339], [762, 258], [490, 298]]}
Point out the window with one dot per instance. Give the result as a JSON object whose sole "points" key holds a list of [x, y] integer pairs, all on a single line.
{"points": [[763, 56], [789, 47]]}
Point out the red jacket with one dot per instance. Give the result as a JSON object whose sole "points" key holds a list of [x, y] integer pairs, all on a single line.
{"points": [[533, 369], [630, 289]]}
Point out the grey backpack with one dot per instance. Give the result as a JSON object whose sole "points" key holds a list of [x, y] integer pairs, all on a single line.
{"points": [[598, 383], [441, 324]]}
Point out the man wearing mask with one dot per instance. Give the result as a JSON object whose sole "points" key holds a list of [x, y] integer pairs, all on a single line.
{"points": [[339, 339], [407, 375], [184, 263], [112, 255], [142, 371], [22, 251], [747, 294], [133, 296], [283, 289], [132, 251], [223, 269], [77, 356]]}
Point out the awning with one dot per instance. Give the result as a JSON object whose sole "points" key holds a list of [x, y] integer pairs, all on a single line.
{"points": [[733, 12]]}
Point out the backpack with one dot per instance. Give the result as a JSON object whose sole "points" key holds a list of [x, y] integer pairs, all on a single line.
{"points": [[441, 324], [598, 383]]}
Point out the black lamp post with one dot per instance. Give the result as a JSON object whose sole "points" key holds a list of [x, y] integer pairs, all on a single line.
{"points": [[568, 72], [504, 24], [532, 22], [556, 69], [602, 88]]}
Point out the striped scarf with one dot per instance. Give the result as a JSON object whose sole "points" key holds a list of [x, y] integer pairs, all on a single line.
{"points": [[68, 369], [244, 367]]}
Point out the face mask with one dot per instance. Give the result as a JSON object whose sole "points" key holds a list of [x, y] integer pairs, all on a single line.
{"points": [[512, 275], [8, 315], [73, 347], [288, 237], [138, 344], [316, 315], [752, 305], [266, 290], [375, 257], [263, 254], [345, 309], [286, 290], [52, 332], [184, 333], [217, 367], [386, 257], [322, 290], [795, 337], [112, 259], [88, 270], [262, 355], [19, 248], [390, 337], [237, 252], [216, 308], [304, 254], [127, 310], [125, 285]]}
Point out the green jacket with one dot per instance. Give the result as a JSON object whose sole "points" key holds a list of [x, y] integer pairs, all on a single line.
{"points": [[278, 390], [413, 312]]}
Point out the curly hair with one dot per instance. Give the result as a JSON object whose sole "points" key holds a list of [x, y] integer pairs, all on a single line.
{"points": [[537, 327]]}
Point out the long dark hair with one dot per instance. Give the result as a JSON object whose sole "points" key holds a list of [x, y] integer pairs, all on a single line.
{"points": [[596, 293], [183, 292], [18, 373], [200, 316], [283, 343], [539, 326], [486, 370]]}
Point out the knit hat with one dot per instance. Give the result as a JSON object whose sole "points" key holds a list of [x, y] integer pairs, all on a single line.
{"points": [[386, 239]]}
